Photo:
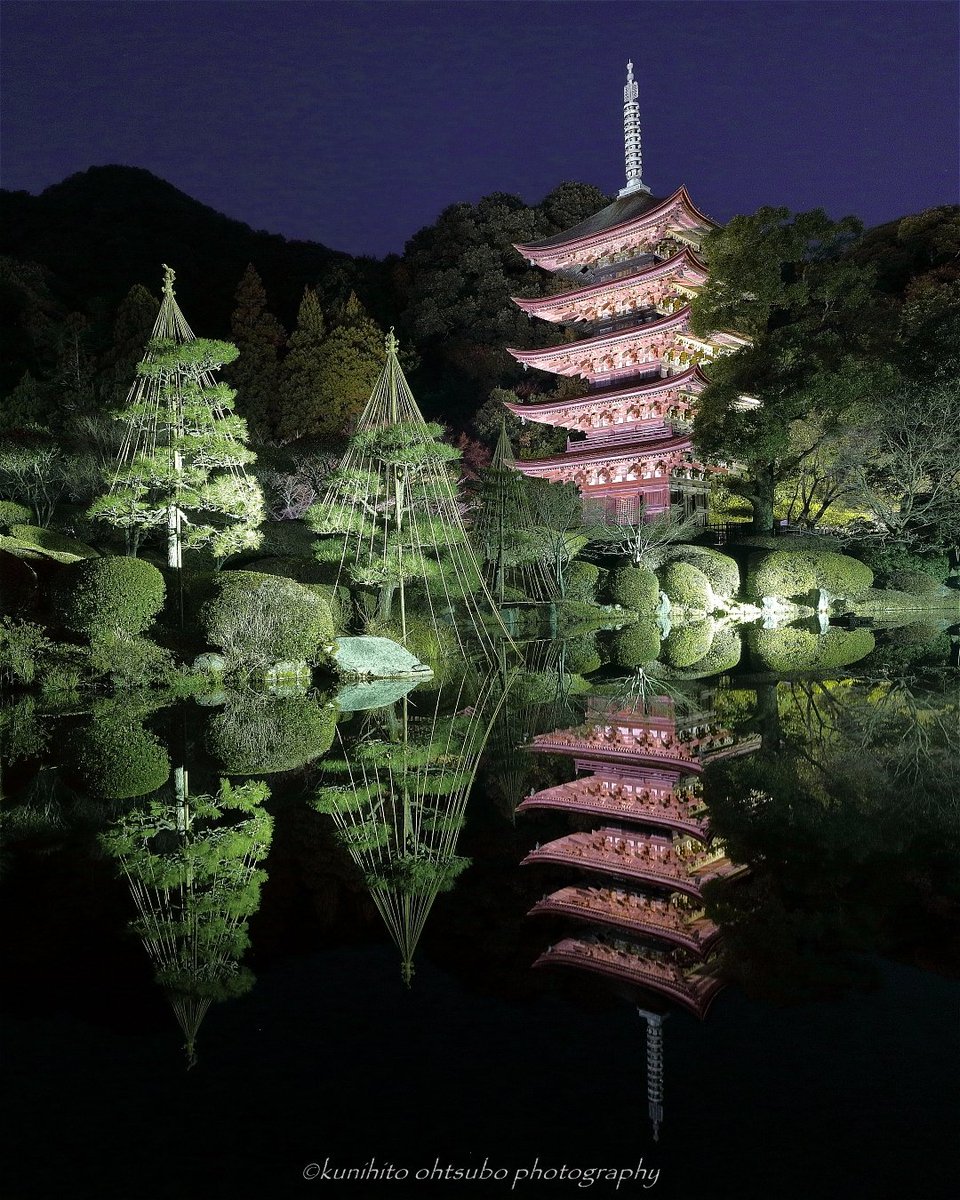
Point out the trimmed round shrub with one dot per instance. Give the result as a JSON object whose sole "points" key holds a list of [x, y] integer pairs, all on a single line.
{"points": [[582, 580], [686, 586], [258, 735], [117, 759], [780, 573], [688, 643], [49, 539], [724, 653], [12, 513], [916, 583], [259, 619], [636, 644], [720, 569], [633, 587], [840, 574], [792, 573], [100, 596]]}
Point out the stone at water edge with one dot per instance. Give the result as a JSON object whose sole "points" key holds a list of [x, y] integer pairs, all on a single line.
{"points": [[376, 658], [377, 693]]}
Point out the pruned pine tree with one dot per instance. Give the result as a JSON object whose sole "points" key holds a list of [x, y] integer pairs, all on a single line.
{"points": [[181, 464], [391, 519], [512, 549], [398, 796], [192, 867]]}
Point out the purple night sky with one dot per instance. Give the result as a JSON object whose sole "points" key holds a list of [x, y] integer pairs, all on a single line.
{"points": [[356, 124]]}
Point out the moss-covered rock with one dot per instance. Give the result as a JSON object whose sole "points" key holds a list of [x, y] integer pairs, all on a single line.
{"points": [[636, 644], [686, 586], [633, 587], [259, 735], [108, 596]]}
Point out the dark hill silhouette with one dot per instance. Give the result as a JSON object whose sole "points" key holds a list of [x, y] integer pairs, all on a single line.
{"points": [[107, 228]]}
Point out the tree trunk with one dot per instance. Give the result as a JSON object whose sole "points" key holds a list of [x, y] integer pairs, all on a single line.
{"points": [[762, 500]]}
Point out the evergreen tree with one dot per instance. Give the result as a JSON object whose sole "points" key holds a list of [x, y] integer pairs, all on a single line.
{"points": [[327, 381], [300, 369], [181, 465], [258, 335]]}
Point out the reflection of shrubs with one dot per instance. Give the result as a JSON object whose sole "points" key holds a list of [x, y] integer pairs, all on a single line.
{"points": [[116, 758], [798, 572], [257, 620], [634, 587], [788, 650], [686, 586], [12, 513], [635, 644], [581, 581], [688, 643], [416, 873], [102, 596], [721, 570], [581, 655], [257, 735], [724, 653]]}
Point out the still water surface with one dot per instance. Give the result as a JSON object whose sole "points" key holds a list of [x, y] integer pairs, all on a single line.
{"points": [[741, 979]]}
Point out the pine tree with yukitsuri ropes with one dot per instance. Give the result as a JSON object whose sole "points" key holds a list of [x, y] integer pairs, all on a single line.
{"points": [[181, 467], [398, 796], [512, 548], [192, 867], [391, 522]]}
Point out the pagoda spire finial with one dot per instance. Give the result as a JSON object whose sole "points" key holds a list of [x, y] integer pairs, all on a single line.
{"points": [[631, 137]]}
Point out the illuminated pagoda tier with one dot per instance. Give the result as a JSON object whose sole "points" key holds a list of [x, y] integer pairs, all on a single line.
{"points": [[685, 979], [632, 270]]}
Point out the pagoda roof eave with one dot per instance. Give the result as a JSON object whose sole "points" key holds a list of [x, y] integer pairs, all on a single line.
{"points": [[611, 454], [692, 374], [663, 325], [621, 213], [534, 304]]}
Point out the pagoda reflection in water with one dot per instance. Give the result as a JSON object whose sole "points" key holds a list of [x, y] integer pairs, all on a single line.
{"points": [[647, 856]]}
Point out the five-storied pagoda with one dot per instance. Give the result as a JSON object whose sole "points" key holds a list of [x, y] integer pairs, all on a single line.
{"points": [[634, 269]]}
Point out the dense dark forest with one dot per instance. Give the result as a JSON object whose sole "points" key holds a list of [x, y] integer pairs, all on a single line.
{"points": [[72, 256]]}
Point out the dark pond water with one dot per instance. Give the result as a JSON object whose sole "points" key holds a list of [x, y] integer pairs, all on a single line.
{"points": [[741, 978]]}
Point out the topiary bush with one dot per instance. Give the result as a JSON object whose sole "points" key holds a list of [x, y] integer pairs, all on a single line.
{"points": [[688, 643], [796, 573], [101, 596], [633, 587], [580, 654], [582, 578], [258, 735], [724, 653], [686, 586], [115, 758], [721, 570], [636, 644], [49, 539], [257, 620], [12, 513], [916, 583]]}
